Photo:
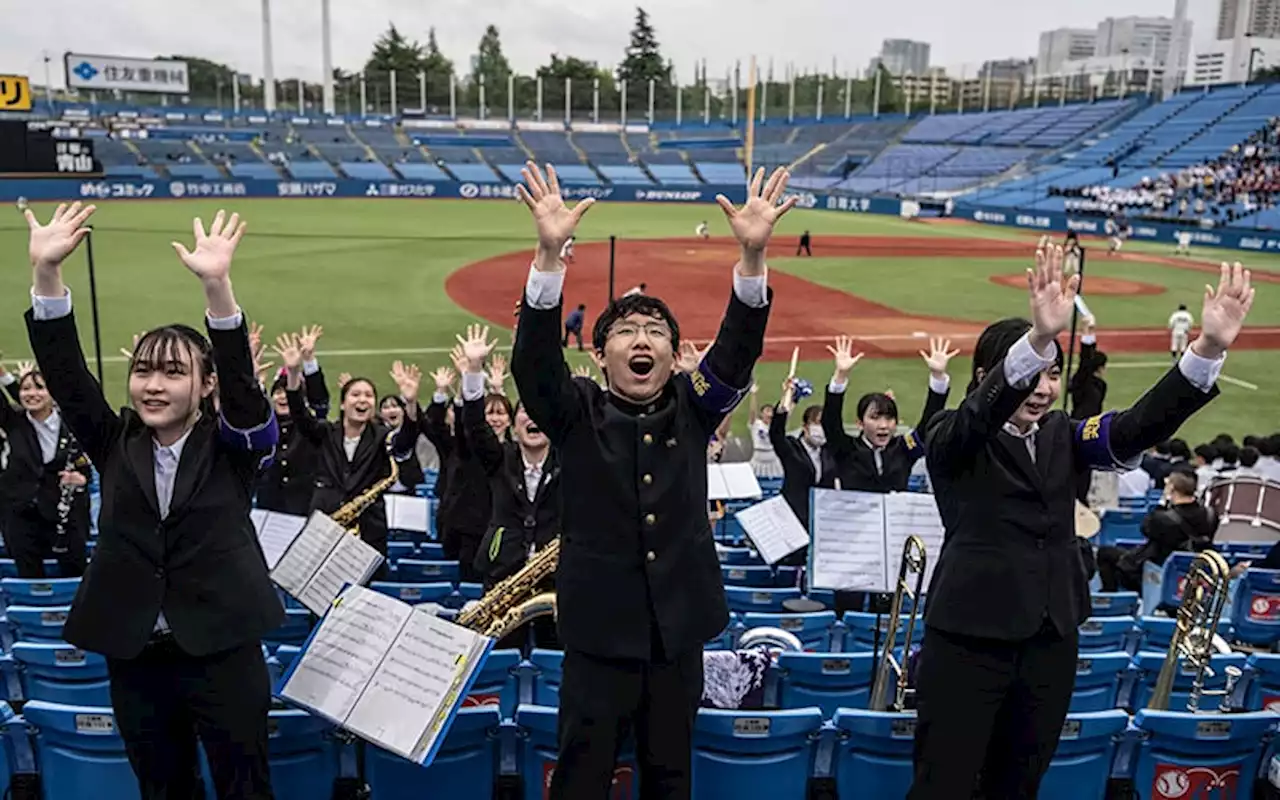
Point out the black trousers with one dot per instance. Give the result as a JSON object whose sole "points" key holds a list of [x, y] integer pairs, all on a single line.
{"points": [[803, 246], [603, 701], [577, 333], [462, 547], [29, 538], [1116, 572], [165, 699], [989, 711]]}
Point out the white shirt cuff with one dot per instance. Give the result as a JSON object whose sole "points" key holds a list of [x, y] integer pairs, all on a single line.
{"points": [[1200, 371], [225, 323], [310, 367], [48, 308], [837, 387], [7, 379], [1089, 338], [472, 385], [752, 290], [440, 397], [1022, 363], [939, 385], [543, 289]]}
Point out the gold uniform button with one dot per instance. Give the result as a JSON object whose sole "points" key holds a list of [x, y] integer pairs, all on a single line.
{"points": [[649, 519], [648, 438], [651, 556], [648, 479]]}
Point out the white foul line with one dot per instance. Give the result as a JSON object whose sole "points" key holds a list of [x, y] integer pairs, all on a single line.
{"points": [[1253, 387]]}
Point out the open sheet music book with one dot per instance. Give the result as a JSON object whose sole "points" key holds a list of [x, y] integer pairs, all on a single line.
{"points": [[319, 560], [734, 481], [406, 513], [858, 537], [773, 528], [390, 673]]}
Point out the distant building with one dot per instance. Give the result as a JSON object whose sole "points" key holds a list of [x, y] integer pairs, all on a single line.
{"points": [[1160, 38], [1264, 18], [1220, 61], [1062, 45], [902, 57]]}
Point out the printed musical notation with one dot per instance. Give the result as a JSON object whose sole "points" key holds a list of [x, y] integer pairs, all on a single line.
{"points": [[858, 537], [773, 528], [320, 560], [276, 531]]}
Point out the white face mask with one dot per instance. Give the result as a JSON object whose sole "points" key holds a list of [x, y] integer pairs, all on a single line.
{"points": [[816, 435]]}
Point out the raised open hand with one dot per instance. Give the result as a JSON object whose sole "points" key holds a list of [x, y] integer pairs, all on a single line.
{"points": [[939, 355], [1225, 309], [307, 341], [290, 351], [128, 352], [690, 356], [844, 356], [211, 260], [752, 224], [1052, 299], [408, 378], [554, 220], [444, 378], [255, 336], [476, 347], [23, 368], [497, 376], [583, 371], [459, 357], [49, 245], [344, 378]]}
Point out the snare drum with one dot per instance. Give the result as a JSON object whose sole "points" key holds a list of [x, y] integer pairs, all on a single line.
{"points": [[1248, 509]]}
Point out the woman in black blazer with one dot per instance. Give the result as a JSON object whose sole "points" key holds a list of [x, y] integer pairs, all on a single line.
{"points": [[286, 484], [177, 597], [353, 452], [391, 411], [45, 463]]}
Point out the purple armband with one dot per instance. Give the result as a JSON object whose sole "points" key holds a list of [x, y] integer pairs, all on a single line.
{"points": [[712, 394], [1093, 443], [262, 438]]}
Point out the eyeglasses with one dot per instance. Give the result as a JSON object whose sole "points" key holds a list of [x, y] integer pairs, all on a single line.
{"points": [[630, 330]]}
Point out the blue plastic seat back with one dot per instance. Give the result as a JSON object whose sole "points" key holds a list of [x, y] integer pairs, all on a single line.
{"points": [[827, 680], [548, 667], [415, 593], [1264, 685], [874, 756], [463, 769], [754, 753], [538, 743], [431, 551], [419, 570], [1082, 763], [1255, 614], [1174, 578], [1105, 634], [79, 753], [37, 623], [1156, 633], [812, 629], [303, 753], [1098, 677], [1212, 756], [1115, 604], [748, 599], [1149, 663], [39, 592], [738, 556], [60, 673], [496, 685], [861, 635], [399, 550], [746, 575]]}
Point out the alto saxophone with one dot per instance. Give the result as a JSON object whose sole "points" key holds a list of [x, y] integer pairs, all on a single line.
{"points": [[66, 496], [349, 513], [515, 600]]}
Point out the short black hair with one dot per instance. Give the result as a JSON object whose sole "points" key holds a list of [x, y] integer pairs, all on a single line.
{"points": [[623, 307], [811, 413], [582, 306], [1229, 453], [493, 398], [393, 398], [346, 387], [1206, 451], [878, 404], [1269, 445], [994, 343], [1182, 306], [1163, 447], [1251, 441], [1249, 456], [1178, 448]]}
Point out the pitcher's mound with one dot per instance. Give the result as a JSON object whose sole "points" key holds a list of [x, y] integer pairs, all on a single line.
{"points": [[1093, 285]]}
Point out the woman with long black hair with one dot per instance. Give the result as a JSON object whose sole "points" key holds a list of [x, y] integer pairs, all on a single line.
{"points": [[177, 597]]}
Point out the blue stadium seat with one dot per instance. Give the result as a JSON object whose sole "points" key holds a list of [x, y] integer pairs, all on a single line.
{"points": [[548, 671], [10, 680], [15, 738], [860, 630], [463, 769], [39, 592], [295, 630], [1098, 677], [399, 550], [79, 752], [1254, 551], [1173, 578], [874, 757], [304, 755], [737, 556], [749, 753], [468, 591], [6, 634], [60, 673], [417, 570], [496, 685], [1148, 666], [827, 680], [538, 737], [415, 593], [1255, 613], [36, 623], [747, 599], [431, 551], [1082, 763], [1105, 634], [1263, 671], [9, 568], [812, 629], [1156, 633], [1198, 755], [1115, 604], [742, 575], [286, 654]]}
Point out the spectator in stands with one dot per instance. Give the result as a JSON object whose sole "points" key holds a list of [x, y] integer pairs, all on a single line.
{"points": [[764, 459], [1249, 457], [286, 484], [1159, 463], [1181, 524], [1268, 463], [177, 597], [573, 324], [1228, 459], [803, 246], [807, 462], [1206, 471]]}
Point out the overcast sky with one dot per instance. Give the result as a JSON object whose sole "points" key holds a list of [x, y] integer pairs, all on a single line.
{"points": [[807, 32]]}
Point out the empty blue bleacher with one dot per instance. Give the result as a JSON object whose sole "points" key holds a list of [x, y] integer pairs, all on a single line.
{"points": [[1263, 674], [1197, 755], [1115, 604], [415, 593], [1098, 681], [746, 599], [814, 629], [463, 769], [627, 174], [677, 174], [1105, 634], [750, 753], [38, 623], [1255, 612], [827, 680], [420, 172], [56, 672], [538, 742], [417, 570], [548, 671], [1148, 666], [39, 592]]}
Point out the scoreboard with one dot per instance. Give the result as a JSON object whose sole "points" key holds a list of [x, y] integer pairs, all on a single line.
{"points": [[34, 152]]}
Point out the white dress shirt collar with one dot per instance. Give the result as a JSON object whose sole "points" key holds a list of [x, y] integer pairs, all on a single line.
{"points": [[47, 431]]}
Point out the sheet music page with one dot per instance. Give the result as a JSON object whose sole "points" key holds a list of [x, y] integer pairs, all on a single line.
{"points": [[405, 513], [848, 547], [352, 561], [740, 481], [276, 532], [308, 551], [773, 528], [342, 657], [912, 514], [412, 694], [716, 488]]}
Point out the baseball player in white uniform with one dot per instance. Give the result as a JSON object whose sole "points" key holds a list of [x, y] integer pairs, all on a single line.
{"points": [[566, 252], [1184, 244], [1180, 323], [702, 231]]}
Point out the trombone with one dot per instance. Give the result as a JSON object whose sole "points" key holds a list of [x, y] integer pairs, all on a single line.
{"points": [[1195, 635], [914, 559]]}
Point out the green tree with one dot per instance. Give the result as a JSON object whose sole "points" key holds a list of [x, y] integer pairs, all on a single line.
{"points": [[643, 63], [438, 70], [582, 76], [493, 65], [392, 52], [209, 83]]}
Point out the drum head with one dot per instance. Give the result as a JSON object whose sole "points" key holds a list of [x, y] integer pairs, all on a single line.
{"points": [[1087, 522]]}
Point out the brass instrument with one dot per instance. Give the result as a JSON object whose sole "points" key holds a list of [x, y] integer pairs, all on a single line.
{"points": [[350, 511], [515, 600], [914, 559], [771, 640], [1195, 634]]}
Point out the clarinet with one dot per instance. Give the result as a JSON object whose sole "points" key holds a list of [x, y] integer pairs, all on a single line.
{"points": [[66, 497]]}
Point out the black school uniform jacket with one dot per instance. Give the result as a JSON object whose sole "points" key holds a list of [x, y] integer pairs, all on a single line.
{"points": [[338, 479], [463, 490], [288, 481], [798, 475], [1009, 558], [856, 461], [1088, 389], [202, 564], [517, 525], [638, 574], [27, 482]]}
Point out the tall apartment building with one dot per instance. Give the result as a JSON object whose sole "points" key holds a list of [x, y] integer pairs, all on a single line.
{"points": [[1057, 47], [1263, 18], [902, 57]]}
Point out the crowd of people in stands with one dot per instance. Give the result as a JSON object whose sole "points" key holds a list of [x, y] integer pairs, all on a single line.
{"points": [[1241, 182]]}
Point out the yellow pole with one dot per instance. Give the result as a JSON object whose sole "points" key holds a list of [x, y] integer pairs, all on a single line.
{"points": [[751, 117]]}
